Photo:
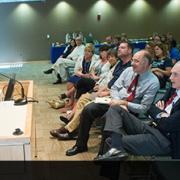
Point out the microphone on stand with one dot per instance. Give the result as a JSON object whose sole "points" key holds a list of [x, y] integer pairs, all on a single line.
{"points": [[10, 89], [23, 99]]}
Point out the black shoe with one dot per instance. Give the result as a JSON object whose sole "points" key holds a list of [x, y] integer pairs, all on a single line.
{"points": [[58, 81], [62, 96], [120, 156], [75, 150], [49, 71], [66, 136], [64, 119]]}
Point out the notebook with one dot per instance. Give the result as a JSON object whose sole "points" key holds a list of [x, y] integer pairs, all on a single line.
{"points": [[102, 100]]}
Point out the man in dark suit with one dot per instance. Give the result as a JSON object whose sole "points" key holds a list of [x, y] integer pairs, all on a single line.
{"points": [[161, 137]]}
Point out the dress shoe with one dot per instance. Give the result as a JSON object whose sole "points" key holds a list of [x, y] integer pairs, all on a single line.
{"points": [[49, 71], [63, 130], [59, 81], [64, 119], [75, 150], [118, 156], [64, 134], [56, 132]]}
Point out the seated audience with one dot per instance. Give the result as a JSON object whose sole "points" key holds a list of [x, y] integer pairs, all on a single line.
{"points": [[116, 41], [156, 38], [100, 71], [170, 38], [150, 48], [101, 89], [108, 41], [61, 64], [84, 67], [164, 39], [161, 65], [135, 90], [161, 137], [124, 37], [174, 52]]}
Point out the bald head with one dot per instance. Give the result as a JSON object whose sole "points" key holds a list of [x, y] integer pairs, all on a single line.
{"points": [[177, 64], [175, 76], [141, 61]]}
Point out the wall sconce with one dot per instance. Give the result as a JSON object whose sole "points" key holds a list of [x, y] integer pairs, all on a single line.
{"points": [[98, 16]]}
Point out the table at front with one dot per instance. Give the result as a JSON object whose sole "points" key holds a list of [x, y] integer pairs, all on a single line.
{"points": [[16, 147]]}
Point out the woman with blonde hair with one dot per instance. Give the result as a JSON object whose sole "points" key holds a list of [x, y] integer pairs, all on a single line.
{"points": [[83, 68], [82, 83]]}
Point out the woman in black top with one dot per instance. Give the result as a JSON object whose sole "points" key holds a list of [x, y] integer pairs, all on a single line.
{"points": [[162, 64], [69, 48]]}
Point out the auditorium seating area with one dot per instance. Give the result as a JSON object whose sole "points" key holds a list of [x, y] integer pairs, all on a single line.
{"points": [[138, 44], [90, 89]]}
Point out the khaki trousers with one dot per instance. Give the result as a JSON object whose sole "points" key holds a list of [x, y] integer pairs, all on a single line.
{"points": [[81, 103]]}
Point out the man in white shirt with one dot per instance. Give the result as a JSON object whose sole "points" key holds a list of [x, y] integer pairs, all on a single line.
{"points": [[61, 64]]}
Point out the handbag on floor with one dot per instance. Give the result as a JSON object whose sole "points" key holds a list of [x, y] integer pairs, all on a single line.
{"points": [[56, 104]]}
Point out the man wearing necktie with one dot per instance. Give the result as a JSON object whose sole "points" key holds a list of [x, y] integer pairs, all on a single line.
{"points": [[161, 137], [131, 92]]}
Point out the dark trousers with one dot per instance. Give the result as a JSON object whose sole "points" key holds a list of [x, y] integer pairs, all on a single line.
{"points": [[141, 139], [88, 115], [84, 85]]}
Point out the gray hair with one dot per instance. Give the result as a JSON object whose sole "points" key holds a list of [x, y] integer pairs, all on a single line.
{"points": [[147, 57]]}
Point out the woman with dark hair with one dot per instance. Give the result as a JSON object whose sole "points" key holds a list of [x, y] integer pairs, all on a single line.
{"points": [[69, 48], [162, 64]]}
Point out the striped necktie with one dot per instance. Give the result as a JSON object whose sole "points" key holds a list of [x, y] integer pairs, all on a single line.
{"points": [[134, 83]]}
